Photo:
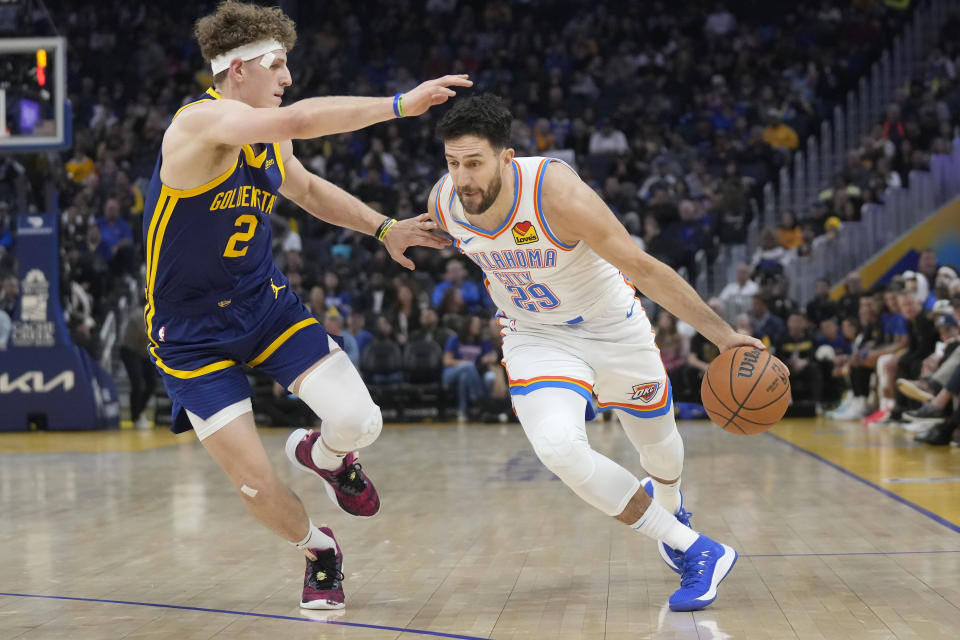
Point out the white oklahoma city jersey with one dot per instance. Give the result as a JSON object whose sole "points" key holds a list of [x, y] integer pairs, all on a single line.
{"points": [[568, 318], [530, 273]]}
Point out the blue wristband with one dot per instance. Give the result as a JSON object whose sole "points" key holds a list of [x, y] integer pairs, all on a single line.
{"points": [[396, 105]]}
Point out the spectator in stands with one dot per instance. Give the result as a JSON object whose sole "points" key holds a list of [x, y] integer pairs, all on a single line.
{"points": [[702, 352], [673, 351], [771, 257], [850, 301], [455, 277], [767, 327], [946, 277], [6, 326], [430, 328], [778, 134], [377, 298], [791, 236], [333, 323], [868, 346], [922, 338], [116, 246], [938, 389], [357, 323], [833, 346], [738, 295], [317, 302], [821, 306], [797, 350], [6, 232], [141, 371], [462, 355], [404, 314], [337, 295], [9, 294]]}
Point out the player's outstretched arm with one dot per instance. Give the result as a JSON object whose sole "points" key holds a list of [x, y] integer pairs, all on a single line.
{"points": [[233, 123], [332, 204], [577, 213]]}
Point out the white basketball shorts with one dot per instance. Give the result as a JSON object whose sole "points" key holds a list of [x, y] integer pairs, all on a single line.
{"points": [[612, 355]]}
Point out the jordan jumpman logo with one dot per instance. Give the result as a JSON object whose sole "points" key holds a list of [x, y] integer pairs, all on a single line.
{"points": [[276, 289]]}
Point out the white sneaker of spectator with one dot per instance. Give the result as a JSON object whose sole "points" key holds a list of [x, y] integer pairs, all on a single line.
{"points": [[919, 426], [142, 424]]}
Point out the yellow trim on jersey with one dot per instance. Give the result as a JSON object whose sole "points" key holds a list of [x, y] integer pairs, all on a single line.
{"points": [[286, 335], [255, 161], [166, 203], [189, 104], [213, 93], [220, 365], [283, 171], [196, 191]]}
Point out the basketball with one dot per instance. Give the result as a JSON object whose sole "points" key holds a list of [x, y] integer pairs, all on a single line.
{"points": [[746, 390]]}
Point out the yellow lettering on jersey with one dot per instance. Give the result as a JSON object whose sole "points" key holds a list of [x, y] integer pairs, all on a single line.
{"points": [[245, 196]]}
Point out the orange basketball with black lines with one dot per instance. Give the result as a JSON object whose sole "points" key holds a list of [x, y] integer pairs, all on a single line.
{"points": [[746, 390]]}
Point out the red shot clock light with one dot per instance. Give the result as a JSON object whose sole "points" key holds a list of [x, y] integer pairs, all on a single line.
{"points": [[41, 67]]}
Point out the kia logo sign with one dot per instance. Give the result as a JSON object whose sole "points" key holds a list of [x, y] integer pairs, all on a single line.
{"points": [[35, 382]]}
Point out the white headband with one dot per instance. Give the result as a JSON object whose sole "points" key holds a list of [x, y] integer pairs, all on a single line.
{"points": [[247, 52]]}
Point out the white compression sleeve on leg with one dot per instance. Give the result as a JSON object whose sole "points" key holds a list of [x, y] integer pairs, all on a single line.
{"points": [[337, 394], [553, 420], [661, 453]]}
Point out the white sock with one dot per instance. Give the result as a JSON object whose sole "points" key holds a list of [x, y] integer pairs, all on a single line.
{"points": [[324, 457], [315, 539], [887, 403], [668, 495], [659, 524]]}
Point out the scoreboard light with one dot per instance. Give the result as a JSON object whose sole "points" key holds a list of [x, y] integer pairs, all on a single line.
{"points": [[41, 67]]}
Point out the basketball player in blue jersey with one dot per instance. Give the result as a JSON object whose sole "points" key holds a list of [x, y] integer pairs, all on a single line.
{"points": [[559, 265], [215, 299]]}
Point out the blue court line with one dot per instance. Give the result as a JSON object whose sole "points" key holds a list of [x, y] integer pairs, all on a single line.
{"points": [[852, 553], [949, 525], [247, 613]]}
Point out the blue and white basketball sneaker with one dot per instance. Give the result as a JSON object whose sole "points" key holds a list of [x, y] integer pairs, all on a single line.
{"points": [[705, 564], [670, 555]]}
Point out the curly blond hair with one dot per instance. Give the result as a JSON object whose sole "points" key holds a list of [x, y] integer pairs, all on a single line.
{"points": [[234, 24]]}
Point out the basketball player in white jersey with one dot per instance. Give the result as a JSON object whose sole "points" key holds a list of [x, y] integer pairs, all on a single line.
{"points": [[559, 266]]}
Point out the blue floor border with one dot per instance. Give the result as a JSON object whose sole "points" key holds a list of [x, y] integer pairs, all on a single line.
{"points": [[949, 525], [156, 605]]}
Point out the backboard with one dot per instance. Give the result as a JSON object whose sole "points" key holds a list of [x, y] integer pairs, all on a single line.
{"points": [[34, 113]]}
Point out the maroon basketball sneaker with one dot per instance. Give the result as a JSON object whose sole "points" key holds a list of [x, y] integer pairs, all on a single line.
{"points": [[322, 582], [347, 485]]}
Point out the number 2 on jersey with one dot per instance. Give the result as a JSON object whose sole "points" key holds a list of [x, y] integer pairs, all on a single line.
{"points": [[534, 297], [232, 250]]}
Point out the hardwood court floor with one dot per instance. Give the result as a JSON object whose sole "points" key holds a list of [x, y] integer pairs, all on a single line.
{"points": [[138, 535]]}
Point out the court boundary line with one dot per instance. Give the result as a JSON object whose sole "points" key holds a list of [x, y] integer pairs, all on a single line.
{"points": [[272, 616], [849, 553], [913, 505]]}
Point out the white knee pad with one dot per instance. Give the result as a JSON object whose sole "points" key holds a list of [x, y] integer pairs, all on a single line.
{"points": [[336, 393], [569, 459], [658, 442], [553, 422]]}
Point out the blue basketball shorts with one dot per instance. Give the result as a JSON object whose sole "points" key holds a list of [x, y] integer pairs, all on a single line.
{"points": [[200, 350]]}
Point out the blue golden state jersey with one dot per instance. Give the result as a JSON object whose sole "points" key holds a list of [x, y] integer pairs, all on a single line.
{"points": [[211, 243]]}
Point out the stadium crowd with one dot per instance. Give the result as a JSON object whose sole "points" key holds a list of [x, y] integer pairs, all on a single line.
{"points": [[677, 119]]}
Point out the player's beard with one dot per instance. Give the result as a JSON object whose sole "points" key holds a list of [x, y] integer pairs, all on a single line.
{"points": [[487, 197]]}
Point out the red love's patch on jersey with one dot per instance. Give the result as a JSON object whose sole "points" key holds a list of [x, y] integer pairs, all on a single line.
{"points": [[524, 232]]}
